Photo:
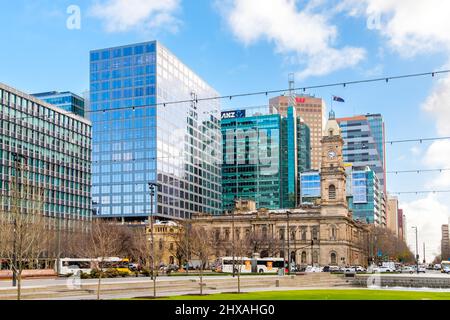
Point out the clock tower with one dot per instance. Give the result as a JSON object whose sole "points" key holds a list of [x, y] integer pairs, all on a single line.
{"points": [[332, 175]]}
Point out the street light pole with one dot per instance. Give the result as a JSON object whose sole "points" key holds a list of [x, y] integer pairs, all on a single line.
{"points": [[152, 186], [288, 243], [417, 251]]}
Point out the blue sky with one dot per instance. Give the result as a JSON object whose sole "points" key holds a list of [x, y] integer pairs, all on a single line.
{"points": [[240, 46]]}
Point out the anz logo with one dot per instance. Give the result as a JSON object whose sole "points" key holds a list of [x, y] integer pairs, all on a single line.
{"points": [[233, 114]]}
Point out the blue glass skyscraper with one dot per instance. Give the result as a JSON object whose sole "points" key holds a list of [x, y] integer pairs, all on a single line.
{"points": [[140, 137], [65, 100]]}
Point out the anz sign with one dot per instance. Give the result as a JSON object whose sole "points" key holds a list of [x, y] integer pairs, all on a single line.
{"points": [[233, 114]]}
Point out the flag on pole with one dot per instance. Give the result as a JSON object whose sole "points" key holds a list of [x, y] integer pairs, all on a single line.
{"points": [[338, 99]]}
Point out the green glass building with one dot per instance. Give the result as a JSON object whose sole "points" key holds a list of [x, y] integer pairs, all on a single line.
{"points": [[263, 157], [52, 148]]}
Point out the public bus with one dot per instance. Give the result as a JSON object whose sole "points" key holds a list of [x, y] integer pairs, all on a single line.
{"points": [[249, 265], [445, 267], [86, 265]]}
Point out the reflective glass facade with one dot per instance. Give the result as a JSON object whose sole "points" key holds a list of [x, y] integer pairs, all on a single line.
{"points": [[55, 150], [138, 139], [310, 186], [367, 204], [364, 143], [364, 193], [260, 160], [65, 100]]}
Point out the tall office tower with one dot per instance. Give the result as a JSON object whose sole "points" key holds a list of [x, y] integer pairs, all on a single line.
{"points": [[65, 100], [392, 214], [445, 243], [140, 137], [262, 158], [367, 197], [312, 111], [364, 138], [363, 191], [401, 225], [52, 148]]}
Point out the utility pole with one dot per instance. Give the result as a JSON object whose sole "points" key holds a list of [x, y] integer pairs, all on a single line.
{"points": [[232, 240], [152, 186], [417, 251], [424, 259]]}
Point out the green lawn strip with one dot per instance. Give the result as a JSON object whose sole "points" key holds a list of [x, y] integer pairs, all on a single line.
{"points": [[322, 295]]}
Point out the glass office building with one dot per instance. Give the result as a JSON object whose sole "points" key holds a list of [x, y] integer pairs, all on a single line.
{"points": [[364, 139], [262, 158], [310, 186], [54, 150], [364, 193], [65, 100], [141, 137]]}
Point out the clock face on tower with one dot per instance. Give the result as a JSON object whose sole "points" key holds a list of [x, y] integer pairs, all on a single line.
{"points": [[332, 155]]}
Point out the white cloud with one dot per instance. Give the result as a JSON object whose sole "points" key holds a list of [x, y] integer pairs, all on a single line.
{"points": [[428, 214], [305, 36], [125, 15], [411, 27], [437, 156], [438, 105]]}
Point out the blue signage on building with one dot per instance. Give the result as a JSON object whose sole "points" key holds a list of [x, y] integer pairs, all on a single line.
{"points": [[233, 114]]}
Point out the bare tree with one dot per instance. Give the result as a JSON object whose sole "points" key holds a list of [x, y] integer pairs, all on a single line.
{"points": [[99, 243], [142, 251], [201, 247], [23, 233]]}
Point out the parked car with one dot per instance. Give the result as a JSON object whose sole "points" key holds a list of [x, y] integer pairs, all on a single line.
{"points": [[350, 270], [135, 267], [312, 269], [437, 267], [422, 269], [334, 269], [408, 269], [360, 269], [382, 270]]}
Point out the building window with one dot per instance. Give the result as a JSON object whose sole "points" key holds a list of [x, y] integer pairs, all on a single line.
{"points": [[332, 192], [333, 233], [304, 257], [333, 259]]}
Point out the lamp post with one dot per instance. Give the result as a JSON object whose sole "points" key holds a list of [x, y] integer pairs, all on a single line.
{"points": [[417, 251], [152, 187], [288, 243], [18, 164]]}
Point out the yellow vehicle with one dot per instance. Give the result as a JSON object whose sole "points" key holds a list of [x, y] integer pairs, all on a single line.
{"points": [[119, 264]]}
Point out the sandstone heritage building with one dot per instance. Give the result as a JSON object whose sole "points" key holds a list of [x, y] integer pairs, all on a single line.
{"points": [[322, 234]]}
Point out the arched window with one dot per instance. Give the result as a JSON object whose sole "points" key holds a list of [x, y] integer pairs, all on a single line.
{"points": [[264, 232], [304, 257], [332, 192], [333, 259], [293, 257]]}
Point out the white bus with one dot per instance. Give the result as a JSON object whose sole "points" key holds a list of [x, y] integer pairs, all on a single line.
{"points": [[77, 265], [244, 265]]}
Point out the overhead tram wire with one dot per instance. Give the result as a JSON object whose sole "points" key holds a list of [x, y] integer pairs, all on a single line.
{"points": [[418, 171], [420, 192], [267, 92], [421, 140]]}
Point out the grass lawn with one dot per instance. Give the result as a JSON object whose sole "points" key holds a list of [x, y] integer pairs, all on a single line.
{"points": [[323, 295]]}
